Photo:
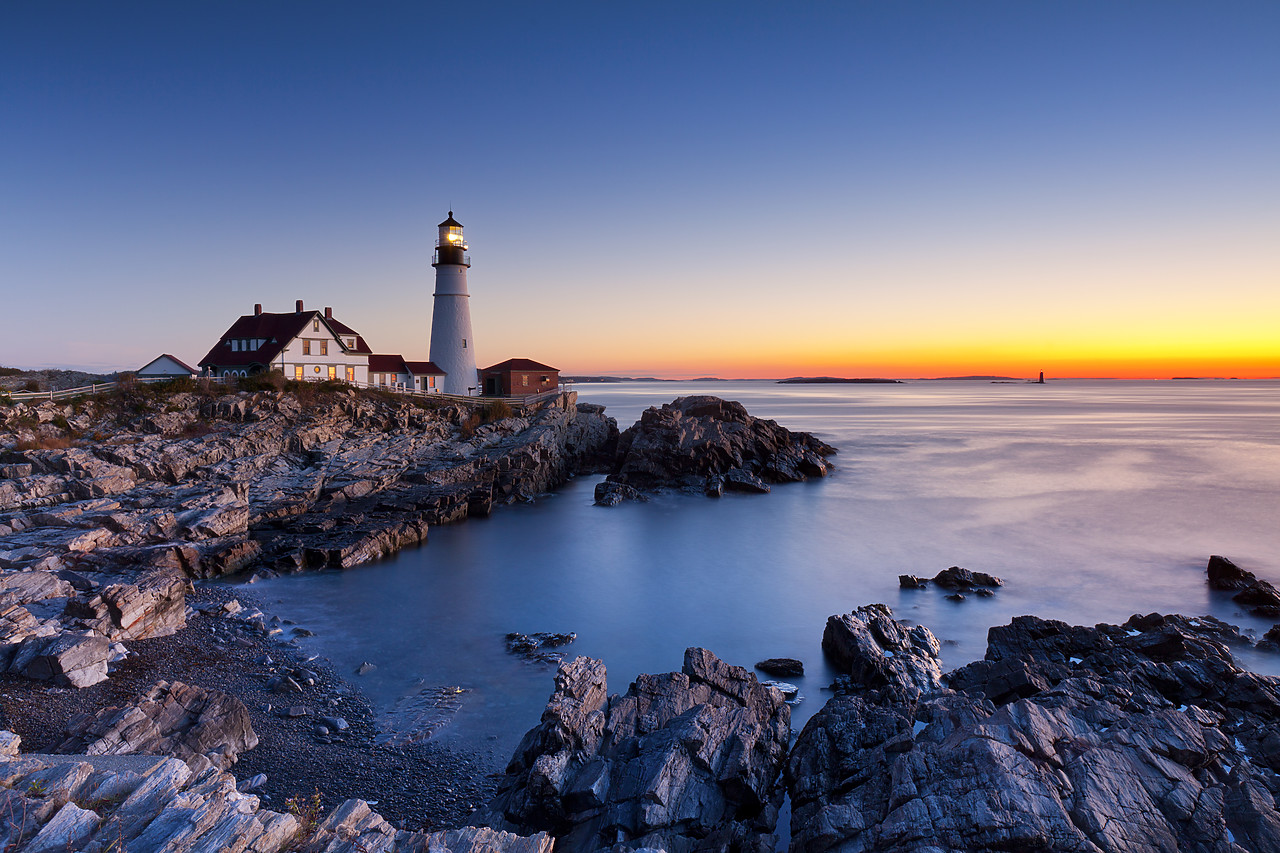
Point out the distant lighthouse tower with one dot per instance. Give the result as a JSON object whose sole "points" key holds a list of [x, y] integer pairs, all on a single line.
{"points": [[452, 348]]}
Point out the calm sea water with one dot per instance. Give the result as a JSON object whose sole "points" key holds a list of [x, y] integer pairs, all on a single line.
{"points": [[1094, 500]]}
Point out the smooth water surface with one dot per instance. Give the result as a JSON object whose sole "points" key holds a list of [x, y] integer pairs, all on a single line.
{"points": [[1094, 500]]}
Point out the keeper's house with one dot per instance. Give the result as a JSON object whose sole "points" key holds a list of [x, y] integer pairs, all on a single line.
{"points": [[519, 377], [301, 345]]}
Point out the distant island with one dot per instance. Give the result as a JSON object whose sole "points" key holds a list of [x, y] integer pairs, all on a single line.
{"points": [[835, 380], [616, 379]]}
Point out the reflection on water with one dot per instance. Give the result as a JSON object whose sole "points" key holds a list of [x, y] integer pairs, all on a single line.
{"points": [[1093, 500]]}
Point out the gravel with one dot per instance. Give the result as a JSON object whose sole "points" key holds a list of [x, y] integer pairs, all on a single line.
{"points": [[424, 785]]}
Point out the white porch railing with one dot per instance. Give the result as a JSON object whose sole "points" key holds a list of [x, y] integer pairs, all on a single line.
{"points": [[397, 388]]}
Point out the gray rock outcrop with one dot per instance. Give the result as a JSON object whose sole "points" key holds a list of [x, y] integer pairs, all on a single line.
{"points": [[685, 761], [709, 445], [150, 804], [201, 727], [1145, 736], [1260, 596]]}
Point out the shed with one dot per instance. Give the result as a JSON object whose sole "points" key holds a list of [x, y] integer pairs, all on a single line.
{"points": [[166, 367], [519, 377]]}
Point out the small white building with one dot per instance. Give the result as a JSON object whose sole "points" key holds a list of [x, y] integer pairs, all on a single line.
{"points": [[302, 345], [392, 371], [166, 367]]}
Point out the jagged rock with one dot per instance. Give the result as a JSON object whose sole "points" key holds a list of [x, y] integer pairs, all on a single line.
{"points": [[684, 761], [355, 828], [202, 727], [71, 658], [965, 580], [1145, 736], [912, 582], [877, 651], [781, 667], [153, 607], [9, 744], [29, 586], [708, 444], [1226, 575], [534, 646], [611, 494]]}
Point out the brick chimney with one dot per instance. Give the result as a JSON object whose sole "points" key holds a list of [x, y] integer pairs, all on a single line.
{"points": [[257, 308], [328, 313], [297, 306]]}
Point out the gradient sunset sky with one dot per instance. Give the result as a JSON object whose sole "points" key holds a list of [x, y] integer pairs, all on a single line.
{"points": [[675, 189]]}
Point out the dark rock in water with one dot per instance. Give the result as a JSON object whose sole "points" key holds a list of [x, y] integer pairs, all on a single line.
{"points": [[201, 727], [912, 582], [1143, 736], [956, 596], [1226, 575], [711, 445], [1266, 611], [742, 480], [983, 592], [612, 494], [877, 651], [365, 668], [1258, 593], [963, 579], [686, 761], [533, 646], [1274, 634], [789, 691], [781, 667]]}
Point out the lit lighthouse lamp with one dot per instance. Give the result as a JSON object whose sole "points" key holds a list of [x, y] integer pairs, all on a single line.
{"points": [[452, 349]]}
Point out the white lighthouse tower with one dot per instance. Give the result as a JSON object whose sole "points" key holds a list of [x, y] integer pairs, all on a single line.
{"points": [[452, 348]]}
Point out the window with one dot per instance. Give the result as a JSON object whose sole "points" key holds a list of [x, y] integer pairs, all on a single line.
{"points": [[235, 346], [431, 382], [315, 324], [306, 347], [297, 372], [324, 347], [351, 374], [351, 342], [524, 379], [317, 368], [464, 343], [333, 372]]}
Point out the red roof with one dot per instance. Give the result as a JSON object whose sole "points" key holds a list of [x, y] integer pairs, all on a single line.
{"points": [[383, 363], [423, 368], [276, 330], [521, 364]]}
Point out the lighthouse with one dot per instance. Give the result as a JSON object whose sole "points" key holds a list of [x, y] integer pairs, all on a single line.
{"points": [[452, 349]]}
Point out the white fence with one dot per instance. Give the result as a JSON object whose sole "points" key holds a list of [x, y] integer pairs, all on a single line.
{"points": [[396, 388]]}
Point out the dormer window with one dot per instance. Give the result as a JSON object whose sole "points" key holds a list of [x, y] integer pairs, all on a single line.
{"points": [[235, 345]]}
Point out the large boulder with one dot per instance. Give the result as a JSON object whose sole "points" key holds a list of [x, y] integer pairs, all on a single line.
{"points": [[684, 761], [201, 727], [875, 650], [68, 659], [1145, 736], [706, 444]]}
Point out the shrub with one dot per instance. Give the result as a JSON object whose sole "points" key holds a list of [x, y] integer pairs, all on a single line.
{"points": [[308, 811], [495, 410], [31, 385]]}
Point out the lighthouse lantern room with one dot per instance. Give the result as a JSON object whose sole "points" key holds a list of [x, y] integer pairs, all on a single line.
{"points": [[452, 347]]}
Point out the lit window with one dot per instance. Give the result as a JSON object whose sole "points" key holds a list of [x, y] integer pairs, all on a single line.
{"points": [[351, 342], [524, 379], [315, 324], [306, 347], [431, 382], [324, 347], [351, 374], [317, 368], [333, 372], [297, 372]]}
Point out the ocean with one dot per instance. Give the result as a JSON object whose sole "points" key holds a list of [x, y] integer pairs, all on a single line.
{"points": [[1093, 500]]}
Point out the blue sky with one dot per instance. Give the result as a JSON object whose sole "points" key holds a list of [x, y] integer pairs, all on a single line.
{"points": [[732, 188]]}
